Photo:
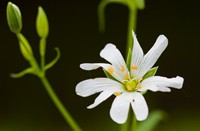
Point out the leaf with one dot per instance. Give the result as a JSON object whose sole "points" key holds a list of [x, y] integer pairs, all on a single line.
{"points": [[29, 70], [153, 120], [150, 73], [54, 61]]}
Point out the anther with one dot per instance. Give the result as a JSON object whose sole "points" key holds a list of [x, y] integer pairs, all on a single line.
{"points": [[134, 67], [111, 70], [140, 79], [117, 93], [127, 76], [138, 86], [122, 68]]}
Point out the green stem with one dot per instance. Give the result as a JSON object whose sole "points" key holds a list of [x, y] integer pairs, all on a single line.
{"points": [[125, 126], [42, 52], [59, 104], [131, 27], [134, 124]]}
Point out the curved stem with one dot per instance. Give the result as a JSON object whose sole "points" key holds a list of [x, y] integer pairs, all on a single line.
{"points": [[59, 104]]}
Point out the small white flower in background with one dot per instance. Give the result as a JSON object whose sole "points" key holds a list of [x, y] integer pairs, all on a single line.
{"points": [[129, 83]]}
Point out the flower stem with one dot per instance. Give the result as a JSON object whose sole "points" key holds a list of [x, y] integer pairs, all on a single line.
{"points": [[134, 124], [131, 26], [59, 104]]}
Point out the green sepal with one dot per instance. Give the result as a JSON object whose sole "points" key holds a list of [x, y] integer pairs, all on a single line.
{"points": [[54, 61], [140, 4], [150, 73], [109, 75], [128, 60], [22, 73], [14, 17], [42, 24], [25, 47], [152, 121]]}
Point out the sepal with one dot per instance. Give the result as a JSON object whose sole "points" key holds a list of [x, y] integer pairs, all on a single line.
{"points": [[150, 73]]}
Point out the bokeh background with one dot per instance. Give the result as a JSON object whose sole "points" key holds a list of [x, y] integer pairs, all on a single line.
{"points": [[24, 104]]}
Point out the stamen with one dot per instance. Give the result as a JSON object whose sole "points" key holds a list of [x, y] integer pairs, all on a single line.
{"points": [[110, 70], [140, 79], [138, 86], [127, 76], [122, 68], [134, 67], [117, 93]]}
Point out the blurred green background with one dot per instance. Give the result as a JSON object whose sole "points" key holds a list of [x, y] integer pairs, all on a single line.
{"points": [[24, 104]]}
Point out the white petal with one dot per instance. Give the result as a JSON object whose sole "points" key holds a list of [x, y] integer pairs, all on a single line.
{"points": [[120, 107], [92, 86], [152, 55], [139, 106], [113, 55], [137, 55], [102, 97], [159, 83], [93, 66]]}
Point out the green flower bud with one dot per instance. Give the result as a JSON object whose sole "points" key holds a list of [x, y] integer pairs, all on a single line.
{"points": [[25, 47], [14, 18], [42, 25]]}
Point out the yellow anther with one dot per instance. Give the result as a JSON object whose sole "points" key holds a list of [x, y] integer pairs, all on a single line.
{"points": [[117, 93], [127, 76], [134, 67], [129, 88], [140, 79], [138, 86], [111, 70], [122, 68]]}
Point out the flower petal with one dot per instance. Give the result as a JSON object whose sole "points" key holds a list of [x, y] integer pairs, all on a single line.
{"points": [[92, 86], [102, 97], [113, 55], [139, 106], [93, 66], [152, 55], [159, 83], [137, 55], [120, 107]]}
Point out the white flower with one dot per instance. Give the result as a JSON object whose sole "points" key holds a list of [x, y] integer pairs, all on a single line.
{"points": [[129, 83]]}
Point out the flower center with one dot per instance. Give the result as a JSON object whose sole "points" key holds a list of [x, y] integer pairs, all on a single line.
{"points": [[132, 85]]}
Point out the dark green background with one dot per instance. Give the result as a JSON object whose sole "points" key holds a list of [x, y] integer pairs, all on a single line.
{"points": [[24, 104]]}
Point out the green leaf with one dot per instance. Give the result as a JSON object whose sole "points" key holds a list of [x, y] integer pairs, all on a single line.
{"points": [[152, 121], [22, 73], [42, 24], [140, 4], [54, 61], [150, 73], [14, 18]]}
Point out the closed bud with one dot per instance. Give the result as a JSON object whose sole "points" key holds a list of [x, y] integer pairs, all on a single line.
{"points": [[42, 25], [14, 18]]}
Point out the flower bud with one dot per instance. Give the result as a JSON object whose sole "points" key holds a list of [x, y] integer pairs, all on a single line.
{"points": [[14, 18], [42, 25]]}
